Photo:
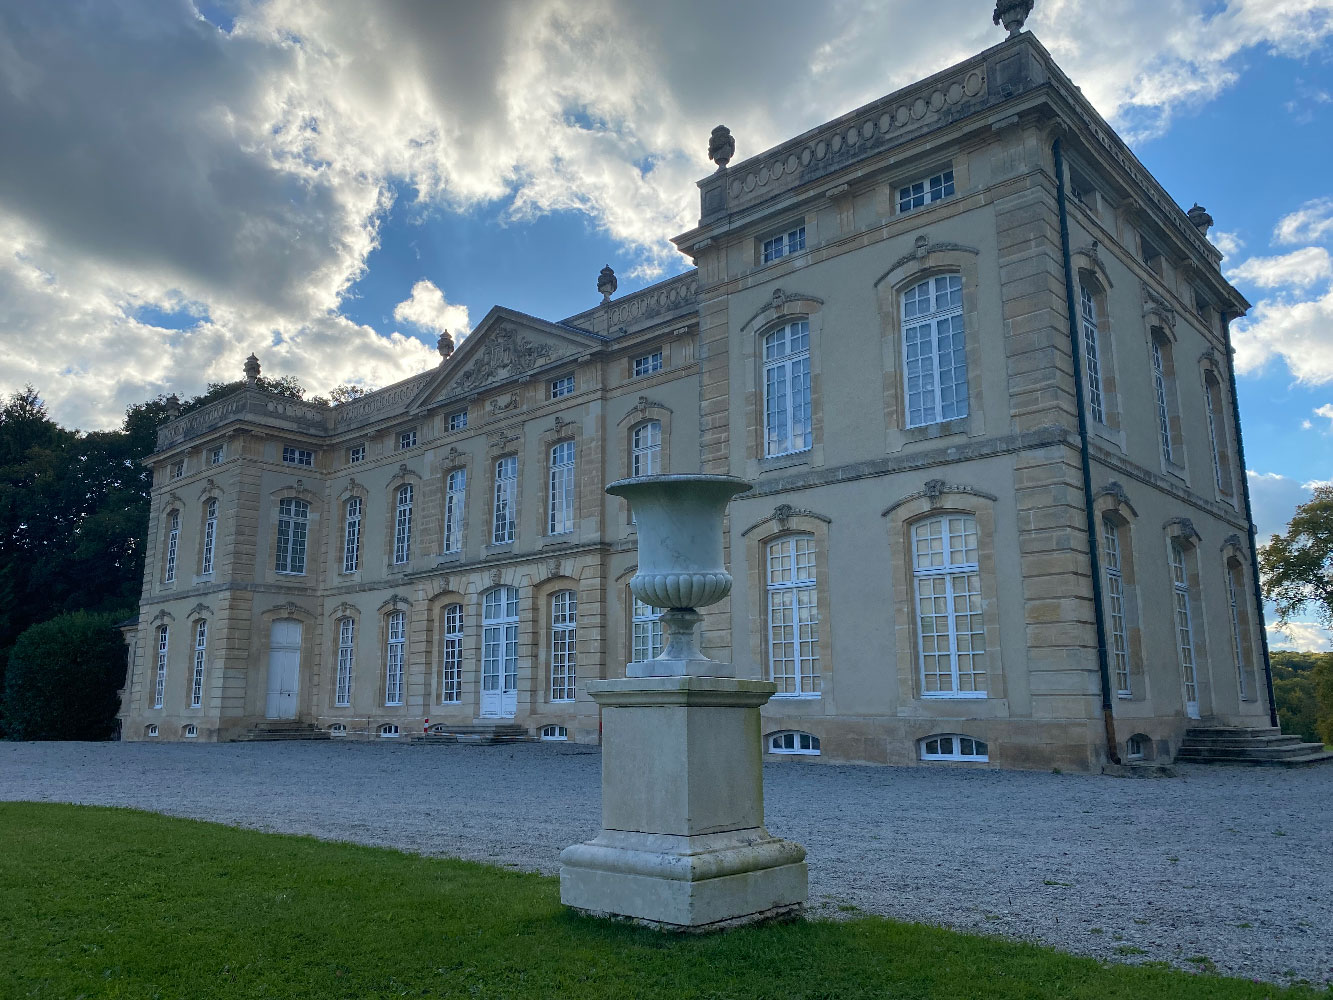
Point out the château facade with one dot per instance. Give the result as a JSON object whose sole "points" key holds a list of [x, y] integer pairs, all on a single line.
{"points": [[877, 335]]}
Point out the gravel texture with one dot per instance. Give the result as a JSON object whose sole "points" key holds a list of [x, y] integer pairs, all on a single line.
{"points": [[1226, 868]]}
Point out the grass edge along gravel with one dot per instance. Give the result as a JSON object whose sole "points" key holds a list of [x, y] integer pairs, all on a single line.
{"points": [[100, 902]]}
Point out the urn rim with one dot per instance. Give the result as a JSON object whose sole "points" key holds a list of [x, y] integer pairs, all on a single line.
{"points": [[618, 488]]}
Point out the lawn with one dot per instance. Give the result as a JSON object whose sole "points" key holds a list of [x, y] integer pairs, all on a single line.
{"points": [[116, 903]]}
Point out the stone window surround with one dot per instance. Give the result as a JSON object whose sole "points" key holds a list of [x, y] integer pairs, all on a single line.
{"points": [[783, 308], [405, 476], [548, 439], [541, 595], [335, 617], [492, 460], [295, 491], [1114, 504], [1093, 276], [174, 504], [469, 704], [306, 666], [1180, 531], [1236, 562], [460, 462], [646, 412], [210, 493], [394, 604], [352, 489], [196, 615], [1209, 367], [1165, 335]]}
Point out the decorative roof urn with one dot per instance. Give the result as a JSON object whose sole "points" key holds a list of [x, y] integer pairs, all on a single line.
{"points": [[1012, 14], [681, 567], [607, 283], [721, 146], [251, 370], [445, 345], [1200, 219]]}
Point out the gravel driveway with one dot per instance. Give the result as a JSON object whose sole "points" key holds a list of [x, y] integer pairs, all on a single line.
{"points": [[1231, 868]]}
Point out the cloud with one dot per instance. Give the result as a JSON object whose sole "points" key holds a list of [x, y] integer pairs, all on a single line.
{"points": [[1310, 223], [1274, 499], [1294, 329], [1229, 243], [1299, 269], [428, 310], [1300, 636], [1326, 411]]}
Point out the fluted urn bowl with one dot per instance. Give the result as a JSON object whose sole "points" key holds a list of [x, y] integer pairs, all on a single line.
{"points": [[679, 519]]}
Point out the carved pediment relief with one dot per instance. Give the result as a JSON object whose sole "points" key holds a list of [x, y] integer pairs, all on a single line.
{"points": [[507, 352]]}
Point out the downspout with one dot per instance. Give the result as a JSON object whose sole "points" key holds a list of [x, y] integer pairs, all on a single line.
{"points": [[1249, 520], [1099, 608]]}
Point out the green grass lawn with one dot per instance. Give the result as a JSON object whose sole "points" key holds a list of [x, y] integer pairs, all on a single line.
{"points": [[116, 903]]}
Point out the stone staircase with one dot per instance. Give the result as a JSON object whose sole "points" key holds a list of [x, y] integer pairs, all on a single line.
{"points": [[284, 730], [481, 732], [1256, 747]]}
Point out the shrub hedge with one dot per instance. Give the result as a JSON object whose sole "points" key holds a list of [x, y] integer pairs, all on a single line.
{"points": [[62, 679]]}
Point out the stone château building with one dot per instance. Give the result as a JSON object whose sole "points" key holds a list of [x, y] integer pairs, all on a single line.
{"points": [[877, 334]]}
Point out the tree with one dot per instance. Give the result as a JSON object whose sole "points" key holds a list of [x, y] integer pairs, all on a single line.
{"points": [[63, 679], [1294, 690], [1297, 567]]}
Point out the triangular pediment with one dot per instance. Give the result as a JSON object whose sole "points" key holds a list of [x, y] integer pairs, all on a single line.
{"points": [[506, 345]]}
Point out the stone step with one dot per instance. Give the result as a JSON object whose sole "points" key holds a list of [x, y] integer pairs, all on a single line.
{"points": [[1321, 757], [481, 733], [1238, 741], [1296, 749], [1230, 731], [284, 730]]}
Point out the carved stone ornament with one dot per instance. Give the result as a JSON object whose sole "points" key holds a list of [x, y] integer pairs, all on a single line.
{"points": [[1233, 541], [607, 283], [721, 146], [173, 405], [934, 493], [1200, 219], [923, 248], [445, 345], [199, 610], [1012, 14], [162, 617], [394, 602], [251, 370], [782, 514], [506, 353], [501, 438], [559, 425], [553, 567], [495, 578], [501, 404], [778, 301], [343, 610], [1121, 496], [1155, 305], [453, 455], [1182, 527]]}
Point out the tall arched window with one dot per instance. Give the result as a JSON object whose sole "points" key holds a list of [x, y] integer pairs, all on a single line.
{"points": [[173, 543], [451, 656], [393, 659], [1217, 434], [1164, 394], [950, 624], [560, 501], [499, 652], [1092, 359], [455, 499], [1240, 646], [160, 680], [352, 536], [646, 450], [342, 694], [564, 644], [506, 484], [1115, 600], [793, 616], [934, 351], [200, 652], [1184, 628], [293, 526], [646, 641], [402, 526], [210, 536], [787, 389]]}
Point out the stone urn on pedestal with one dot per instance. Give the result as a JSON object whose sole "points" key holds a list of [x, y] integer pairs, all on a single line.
{"points": [[683, 844]]}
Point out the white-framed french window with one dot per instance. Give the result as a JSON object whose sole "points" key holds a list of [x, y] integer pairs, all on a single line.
{"points": [[951, 629], [342, 694], [458, 420], [561, 387], [297, 456], [200, 653], [451, 656], [560, 499], [352, 536], [455, 502], [934, 351], [160, 678], [783, 244], [506, 484], [407, 439], [293, 528], [787, 424], [793, 617], [646, 449], [1092, 359], [1239, 647], [402, 525], [210, 536], [216, 455], [395, 651], [173, 544], [356, 453], [794, 741], [647, 364], [645, 631], [1180, 586], [1159, 392], [1115, 600], [499, 642], [564, 645], [925, 191], [954, 746]]}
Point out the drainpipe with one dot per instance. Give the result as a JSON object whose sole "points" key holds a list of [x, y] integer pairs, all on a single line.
{"points": [[1249, 520], [1099, 608]]}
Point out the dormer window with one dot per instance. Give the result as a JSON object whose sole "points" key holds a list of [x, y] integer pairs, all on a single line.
{"points": [[407, 439], [357, 453], [457, 421], [925, 191], [648, 364], [562, 386], [216, 455], [784, 244], [297, 456]]}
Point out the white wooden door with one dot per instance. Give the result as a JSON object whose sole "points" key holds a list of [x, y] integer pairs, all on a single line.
{"points": [[284, 669], [499, 653]]}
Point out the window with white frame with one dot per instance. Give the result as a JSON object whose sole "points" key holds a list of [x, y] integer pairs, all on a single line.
{"points": [[342, 692], [794, 742], [173, 544], [954, 747], [1160, 388], [560, 500], [648, 364], [178, 469], [402, 525], [151, 731], [191, 731], [297, 456], [925, 191], [458, 420], [1092, 361], [451, 656], [499, 639], [646, 632], [555, 734], [784, 244], [455, 500], [564, 644], [200, 652], [388, 731], [293, 528], [950, 624], [210, 536], [646, 449], [1115, 600], [352, 536], [338, 729], [1239, 647], [1180, 581], [407, 439], [787, 426], [934, 351], [216, 455], [793, 617], [506, 485], [393, 659], [562, 386], [160, 680], [356, 453], [1217, 435]]}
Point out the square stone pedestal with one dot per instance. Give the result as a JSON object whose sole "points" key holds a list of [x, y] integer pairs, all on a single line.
{"points": [[683, 844]]}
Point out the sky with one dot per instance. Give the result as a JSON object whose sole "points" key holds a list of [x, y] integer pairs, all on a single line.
{"points": [[330, 185]]}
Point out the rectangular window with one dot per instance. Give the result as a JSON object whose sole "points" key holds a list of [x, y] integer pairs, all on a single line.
{"points": [[1159, 390], [393, 660], [457, 421], [934, 351], [1238, 645], [210, 534], [1184, 629], [648, 364], [950, 626], [455, 499], [563, 386], [293, 524], [647, 632], [646, 457], [1115, 598], [926, 191], [560, 518], [407, 439], [173, 543], [451, 674], [160, 681], [402, 526], [352, 536], [564, 644], [200, 650], [178, 469], [297, 456], [784, 244], [787, 426], [342, 695], [506, 485], [357, 453], [1091, 355], [216, 456], [793, 617]]}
